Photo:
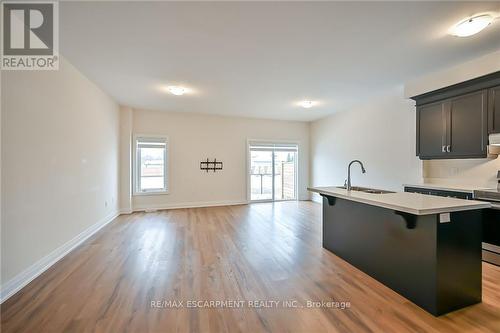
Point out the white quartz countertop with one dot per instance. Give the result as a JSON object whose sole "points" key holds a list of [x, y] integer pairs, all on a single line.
{"points": [[447, 187], [413, 203]]}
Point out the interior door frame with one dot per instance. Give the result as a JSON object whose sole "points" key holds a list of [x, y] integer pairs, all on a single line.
{"points": [[248, 176]]}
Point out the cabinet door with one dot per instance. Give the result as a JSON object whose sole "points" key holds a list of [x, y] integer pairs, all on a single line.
{"points": [[431, 130], [468, 126], [494, 110]]}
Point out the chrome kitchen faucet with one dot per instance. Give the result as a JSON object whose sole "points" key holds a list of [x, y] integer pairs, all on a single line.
{"points": [[348, 186]]}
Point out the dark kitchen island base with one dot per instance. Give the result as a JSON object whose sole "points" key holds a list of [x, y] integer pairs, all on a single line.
{"points": [[435, 265]]}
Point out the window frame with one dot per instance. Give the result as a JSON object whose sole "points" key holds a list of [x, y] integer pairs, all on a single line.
{"points": [[136, 165]]}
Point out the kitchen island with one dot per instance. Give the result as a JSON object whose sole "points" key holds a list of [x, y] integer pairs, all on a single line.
{"points": [[426, 248]]}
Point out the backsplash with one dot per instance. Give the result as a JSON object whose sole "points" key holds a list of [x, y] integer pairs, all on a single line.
{"points": [[480, 172]]}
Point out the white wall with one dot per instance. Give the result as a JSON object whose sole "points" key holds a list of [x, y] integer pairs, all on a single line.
{"points": [[194, 137], [476, 172], [471, 69], [59, 163], [126, 120], [380, 133]]}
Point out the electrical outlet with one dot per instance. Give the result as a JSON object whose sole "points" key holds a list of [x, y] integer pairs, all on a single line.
{"points": [[444, 218]]}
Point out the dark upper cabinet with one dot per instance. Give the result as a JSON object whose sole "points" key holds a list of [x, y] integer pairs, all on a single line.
{"points": [[467, 135], [453, 128], [431, 130], [454, 122], [494, 110]]}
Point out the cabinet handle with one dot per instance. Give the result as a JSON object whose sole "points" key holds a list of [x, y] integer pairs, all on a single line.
{"points": [[443, 149], [448, 149]]}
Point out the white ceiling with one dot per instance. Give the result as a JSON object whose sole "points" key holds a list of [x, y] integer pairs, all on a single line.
{"points": [[258, 59]]}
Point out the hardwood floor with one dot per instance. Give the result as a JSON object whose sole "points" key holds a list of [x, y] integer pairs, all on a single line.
{"points": [[239, 253]]}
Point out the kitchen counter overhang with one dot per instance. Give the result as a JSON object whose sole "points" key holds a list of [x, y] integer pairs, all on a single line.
{"points": [[411, 203]]}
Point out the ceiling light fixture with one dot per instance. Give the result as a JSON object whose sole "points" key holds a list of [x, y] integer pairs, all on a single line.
{"points": [[307, 104], [471, 25], [178, 91]]}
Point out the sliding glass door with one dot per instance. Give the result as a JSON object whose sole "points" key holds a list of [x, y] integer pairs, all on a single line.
{"points": [[273, 171], [284, 175], [261, 175]]}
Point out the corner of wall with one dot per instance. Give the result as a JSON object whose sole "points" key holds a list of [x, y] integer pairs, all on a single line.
{"points": [[125, 160]]}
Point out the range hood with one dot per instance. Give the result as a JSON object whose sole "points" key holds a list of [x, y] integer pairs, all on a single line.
{"points": [[494, 144]]}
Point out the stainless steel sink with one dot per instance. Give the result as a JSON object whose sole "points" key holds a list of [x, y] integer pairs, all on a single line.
{"points": [[367, 190]]}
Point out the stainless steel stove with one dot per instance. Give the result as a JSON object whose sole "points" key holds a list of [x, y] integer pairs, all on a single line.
{"points": [[491, 224], [491, 216]]}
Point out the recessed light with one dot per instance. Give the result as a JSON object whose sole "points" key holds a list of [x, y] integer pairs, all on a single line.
{"points": [[175, 90], [306, 104], [472, 25]]}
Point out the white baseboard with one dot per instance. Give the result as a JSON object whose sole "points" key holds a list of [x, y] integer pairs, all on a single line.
{"points": [[198, 204], [22, 279]]}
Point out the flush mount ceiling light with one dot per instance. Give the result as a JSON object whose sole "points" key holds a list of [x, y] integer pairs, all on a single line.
{"points": [[175, 90], [306, 104], [472, 25]]}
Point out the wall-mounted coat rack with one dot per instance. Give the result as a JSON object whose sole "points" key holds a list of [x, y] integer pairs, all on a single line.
{"points": [[211, 165]]}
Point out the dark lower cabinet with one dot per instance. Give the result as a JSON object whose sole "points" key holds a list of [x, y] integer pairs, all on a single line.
{"points": [[494, 110], [440, 193]]}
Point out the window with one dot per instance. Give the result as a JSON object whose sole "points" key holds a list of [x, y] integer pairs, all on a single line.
{"points": [[151, 165]]}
